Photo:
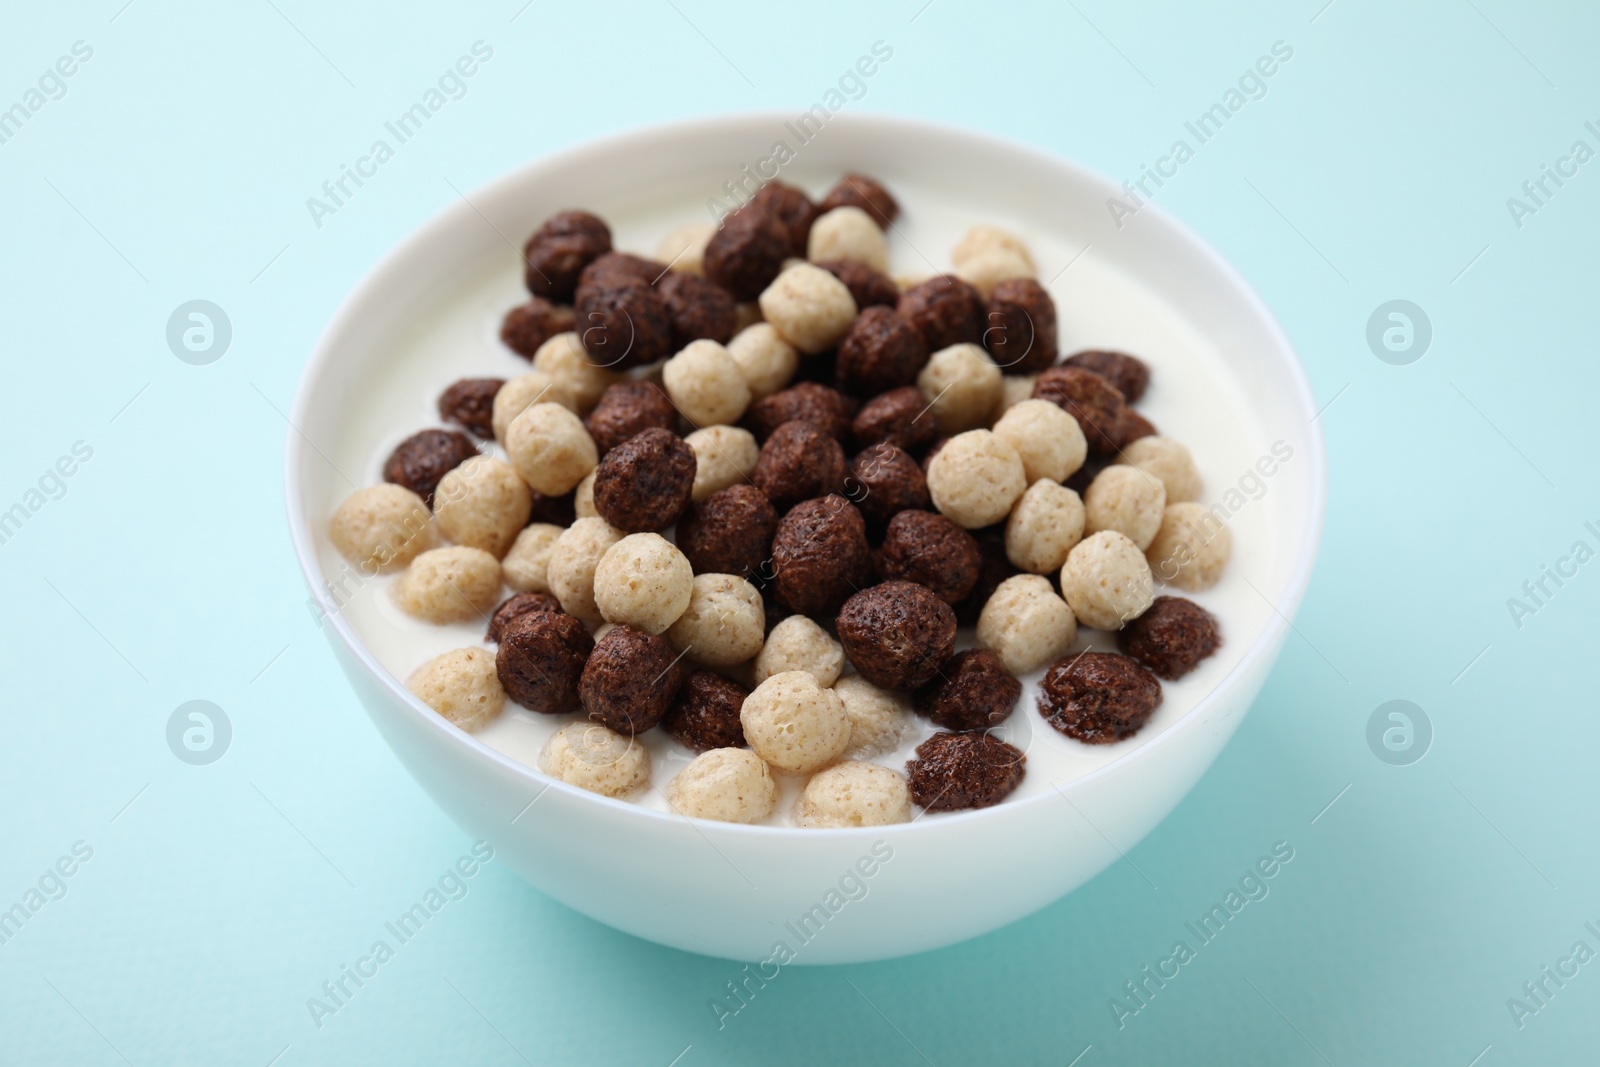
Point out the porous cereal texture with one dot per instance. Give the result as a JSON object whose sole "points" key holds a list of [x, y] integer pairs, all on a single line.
{"points": [[983, 239], [887, 482], [1171, 638], [705, 384], [526, 566], [799, 462], [706, 714], [1047, 439], [381, 526], [624, 318], [765, 359], [810, 308], [972, 691], [630, 681], [514, 607], [589, 756], [747, 250], [945, 310], [550, 448], [644, 483], [571, 567], [1127, 500], [469, 403], [644, 582], [868, 287], [724, 456], [730, 532], [793, 208], [1106, 581], [854, 794], [530, 325], [629, 408], [879, 718], [583, 497], [932, 551], [541, 659], [724, 622], [820, 556], [1092, 400], [1191, 548], [897, 634], [900, 417], [956, 771], [558, 251], [569, 366], [1098, 697], [521, 393], [418, 462], [1046, 524], [848, 233], [987, 269], [1026, 624], [483, 503], [795, 724], [461, 685], [882, 351], [975, 478], [962, 384], [685, 248], [1021, 330], [725, 784], [454, 584], [1168, 460], [798, 644], [829, 409], [1015, 389]]}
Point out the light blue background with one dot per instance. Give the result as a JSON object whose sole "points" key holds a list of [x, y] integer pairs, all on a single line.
{"points": [[177, 167]]}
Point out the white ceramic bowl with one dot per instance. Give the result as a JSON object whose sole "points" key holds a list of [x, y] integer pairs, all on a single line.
{"points": [[729, 890]]}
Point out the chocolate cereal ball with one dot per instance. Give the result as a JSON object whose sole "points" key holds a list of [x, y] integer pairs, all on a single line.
{"points": [[540, 660], [729, 532], [1020, 331], [626, 409], [971, 692], [882, 351], [897, 634], [1172, 637], [747, 252], [868, 287], [1087, 397], [622, 264], [469, 403], [829, 409], [887, 481], [932, 551], [868, 194], [527, 326], [793, 207], [645, 482], [698, 308], [945, 310], [421, 460], [621, 319], [630, 681], [820, 556], [956, 771], [516, 606], [1098, 697], [798, 462], [559, 250], [1130, 427], [706, 714], [901, 417], [1128, 373]]}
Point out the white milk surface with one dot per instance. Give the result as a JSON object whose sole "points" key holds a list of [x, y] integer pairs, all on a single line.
{"points": [[1191, 398]]}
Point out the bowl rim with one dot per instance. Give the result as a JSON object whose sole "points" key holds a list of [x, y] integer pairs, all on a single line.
{"points": [[304, 539]]}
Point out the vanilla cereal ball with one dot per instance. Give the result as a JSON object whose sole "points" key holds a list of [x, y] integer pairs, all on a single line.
{"points": [[765, 359], [1127, 500], [1106, 581], [521, 393], [1168, 460], [483, 503], [1044, 526], [854, 794], [526, 567], [798, 644], [455, 584], [810, 308], [383, 525], [583, 498], [962, 385], [566, 361], [462, 685], [643, 581], [983, 239], [725, 784], [685, 248], [1014, 389], [1191, 548], [724, 622], [879, 718], [986, 269], [1049, 440], [1026, 625], [795, 724], [910, 280], [848, 233], [573, 559], [588, 755], [550, 448], [705, 384], [975, 478], [724, 456]]}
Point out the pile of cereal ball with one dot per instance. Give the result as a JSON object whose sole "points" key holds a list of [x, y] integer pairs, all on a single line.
{"points": [[739, 470]]}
